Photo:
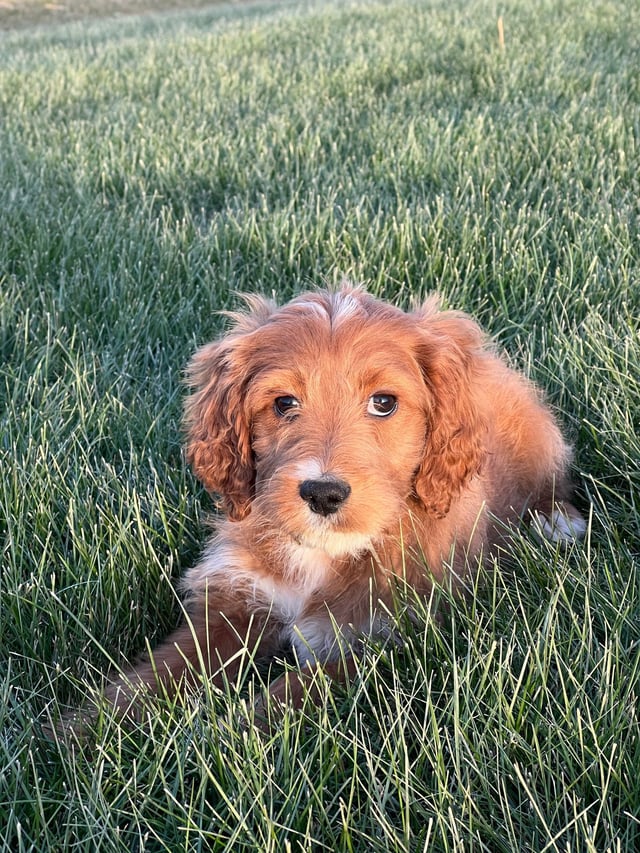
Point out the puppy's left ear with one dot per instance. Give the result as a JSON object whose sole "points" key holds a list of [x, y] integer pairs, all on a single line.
{"points": [[450, 354]]}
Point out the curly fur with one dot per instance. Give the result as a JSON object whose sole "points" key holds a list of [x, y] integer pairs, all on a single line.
{"points": [[471, 447]]}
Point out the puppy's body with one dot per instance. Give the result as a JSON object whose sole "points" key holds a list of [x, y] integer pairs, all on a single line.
{"points": [[354, 445]]}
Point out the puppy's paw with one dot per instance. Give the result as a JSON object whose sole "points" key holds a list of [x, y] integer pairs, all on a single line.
{"points": [[563, 524]]}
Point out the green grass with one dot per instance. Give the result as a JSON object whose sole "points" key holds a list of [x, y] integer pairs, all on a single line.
{"points": [[16, 14], [152, 166]]}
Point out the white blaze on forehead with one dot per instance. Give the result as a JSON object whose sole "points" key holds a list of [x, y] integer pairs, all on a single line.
{"points": [[345, 306], [341, 307], [312, 307], [309, 469]]}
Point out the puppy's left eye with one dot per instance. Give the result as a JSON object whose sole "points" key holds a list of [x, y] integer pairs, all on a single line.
{"points": [[382, 405]]}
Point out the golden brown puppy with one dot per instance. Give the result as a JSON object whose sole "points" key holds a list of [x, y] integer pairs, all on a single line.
{"points": [[353, 445]]}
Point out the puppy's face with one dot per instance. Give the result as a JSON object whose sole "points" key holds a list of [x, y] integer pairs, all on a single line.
{"points": [[320, 418], [338, 423]]}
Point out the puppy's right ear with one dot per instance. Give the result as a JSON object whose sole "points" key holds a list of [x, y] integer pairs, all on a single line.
{"points": [[217, 424]]}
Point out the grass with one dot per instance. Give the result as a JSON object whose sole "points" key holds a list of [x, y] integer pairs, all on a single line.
{"points": [[16, 14], [152, 166]]}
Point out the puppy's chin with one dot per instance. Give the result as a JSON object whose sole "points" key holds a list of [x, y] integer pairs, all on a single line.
{"points": [[336, 544]]}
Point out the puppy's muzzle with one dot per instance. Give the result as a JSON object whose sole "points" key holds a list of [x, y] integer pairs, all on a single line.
{"points": [[326, 496]]}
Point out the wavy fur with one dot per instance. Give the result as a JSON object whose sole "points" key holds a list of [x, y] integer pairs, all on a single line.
{"points": [[332, 498]]}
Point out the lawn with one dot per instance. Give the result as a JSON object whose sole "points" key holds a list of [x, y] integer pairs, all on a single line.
{"points": [[152, 166]]}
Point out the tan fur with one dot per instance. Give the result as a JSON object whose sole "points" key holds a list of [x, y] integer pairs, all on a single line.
{"points": [[470, 439]]}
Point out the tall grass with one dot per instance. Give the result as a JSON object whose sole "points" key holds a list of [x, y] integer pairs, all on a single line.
{"points": [[149, 168]]}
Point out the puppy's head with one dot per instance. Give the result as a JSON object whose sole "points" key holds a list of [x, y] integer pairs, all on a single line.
{"points": [[326, 416]]}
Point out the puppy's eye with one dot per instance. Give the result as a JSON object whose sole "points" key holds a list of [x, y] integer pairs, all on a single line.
{"points": [[286, 405], [382, 405]]}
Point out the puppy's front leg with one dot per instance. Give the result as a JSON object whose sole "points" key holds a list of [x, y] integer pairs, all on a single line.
{"points": [[292, 687], [210, 643]]}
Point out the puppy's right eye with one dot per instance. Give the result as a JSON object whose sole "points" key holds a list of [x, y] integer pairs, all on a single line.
{"points": [[286, 405]]}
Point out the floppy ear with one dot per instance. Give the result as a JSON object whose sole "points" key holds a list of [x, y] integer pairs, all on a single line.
{"points": [[450, 357], [217, 424]]}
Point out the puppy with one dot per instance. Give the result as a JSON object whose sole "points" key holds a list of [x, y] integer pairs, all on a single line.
{"points": [[354, 446]]}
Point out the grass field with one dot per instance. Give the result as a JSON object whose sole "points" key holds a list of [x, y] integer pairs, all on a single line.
{"points": [[16, 14], [152, 166]]}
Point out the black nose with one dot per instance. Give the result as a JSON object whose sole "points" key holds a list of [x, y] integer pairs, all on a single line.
{"points": [[324, 496]]}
